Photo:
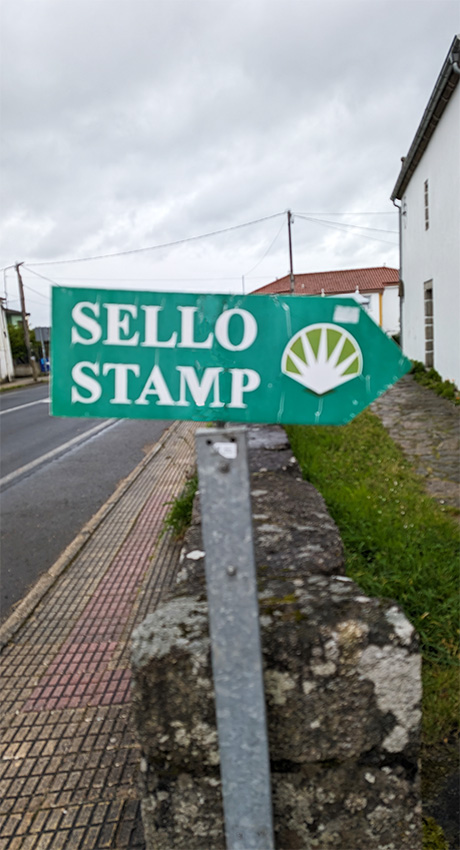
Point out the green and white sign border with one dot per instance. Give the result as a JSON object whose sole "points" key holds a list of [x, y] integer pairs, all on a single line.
{"points": [[255, 358]]}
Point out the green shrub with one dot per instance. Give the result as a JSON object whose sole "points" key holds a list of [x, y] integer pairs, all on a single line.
{"points": [[417, 367], [431, 379]]}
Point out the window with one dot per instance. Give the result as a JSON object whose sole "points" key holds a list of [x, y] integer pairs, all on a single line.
{"points": [[427, 208], [429, 350]]}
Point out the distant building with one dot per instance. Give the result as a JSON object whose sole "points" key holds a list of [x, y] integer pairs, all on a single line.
{"points": [[375, 288], [42, 336], [6, 359], [428, 187], [13, 317]]}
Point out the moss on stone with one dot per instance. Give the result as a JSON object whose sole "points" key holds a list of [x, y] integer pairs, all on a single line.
{"points": [[433, 836]]}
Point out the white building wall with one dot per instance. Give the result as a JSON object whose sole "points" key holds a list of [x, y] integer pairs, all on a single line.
{"points": [[374, 306], [434, 254], [390, 310], [6, 360], [383, 308]]}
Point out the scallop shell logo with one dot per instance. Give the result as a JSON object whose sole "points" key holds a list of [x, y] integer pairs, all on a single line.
{"points": [[322, 357]]}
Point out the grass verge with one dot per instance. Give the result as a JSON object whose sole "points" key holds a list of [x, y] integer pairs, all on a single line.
{"points": [[179, 515], [399, 544]]}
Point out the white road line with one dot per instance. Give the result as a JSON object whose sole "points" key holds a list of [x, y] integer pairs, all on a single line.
{"points": [[58, 450], [22, 406]]}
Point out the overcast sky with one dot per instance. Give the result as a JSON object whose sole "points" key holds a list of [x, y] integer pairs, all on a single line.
{"points": [[128, 124]]}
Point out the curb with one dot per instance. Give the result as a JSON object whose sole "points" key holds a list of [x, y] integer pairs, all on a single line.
{"points": [[13, 385], [25, 608]]}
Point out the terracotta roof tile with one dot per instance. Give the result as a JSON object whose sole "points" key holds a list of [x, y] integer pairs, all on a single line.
{"points": [[335, 283]]}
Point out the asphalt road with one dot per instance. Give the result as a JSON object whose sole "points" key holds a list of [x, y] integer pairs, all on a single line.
{"points": [[55, 473]]}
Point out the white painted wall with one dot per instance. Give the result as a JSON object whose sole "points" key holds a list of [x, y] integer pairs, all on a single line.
{"points": [[374, 306], [434, 254], [390, 310], [6, 360]]}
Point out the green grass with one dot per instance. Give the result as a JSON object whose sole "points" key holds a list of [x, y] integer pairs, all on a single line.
{"points": [[179, 515], [399, 544]]}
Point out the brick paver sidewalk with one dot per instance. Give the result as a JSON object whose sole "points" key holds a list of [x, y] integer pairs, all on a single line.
{"points": [[69, 760]]}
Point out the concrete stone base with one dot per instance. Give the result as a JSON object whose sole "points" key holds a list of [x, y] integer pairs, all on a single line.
{"points": [[312, 809], [342, 686]]}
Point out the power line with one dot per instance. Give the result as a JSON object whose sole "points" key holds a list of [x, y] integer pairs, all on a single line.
{"points": [[340, 224], [344, 227], [37, 274], [158, 247], [131, 278], [195, 238], [40, 294], [386, 212], [29, 301], [266, 252]]}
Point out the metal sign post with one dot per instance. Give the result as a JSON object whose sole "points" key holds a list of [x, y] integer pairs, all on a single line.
{"points": [[235, 640]]}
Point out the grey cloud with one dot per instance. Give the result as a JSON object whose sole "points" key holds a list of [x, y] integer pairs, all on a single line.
{"points": [[130, 123]]}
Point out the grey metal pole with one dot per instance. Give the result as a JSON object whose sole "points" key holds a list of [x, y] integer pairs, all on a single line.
{"points": [[235, 639], [291, 271]]}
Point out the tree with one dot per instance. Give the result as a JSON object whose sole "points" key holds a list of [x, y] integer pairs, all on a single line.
{"points": [[18, 344]]}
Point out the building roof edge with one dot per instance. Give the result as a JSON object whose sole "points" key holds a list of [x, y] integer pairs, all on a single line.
{"points": [[442, 92]]}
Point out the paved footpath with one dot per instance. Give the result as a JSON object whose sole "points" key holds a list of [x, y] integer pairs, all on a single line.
{"points": [[68, 757], [427, 428]]}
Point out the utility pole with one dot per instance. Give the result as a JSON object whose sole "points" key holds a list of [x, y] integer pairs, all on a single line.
{"points": [[289, 215], [25, 322]]}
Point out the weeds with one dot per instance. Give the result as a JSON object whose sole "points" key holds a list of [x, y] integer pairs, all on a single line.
{"points": [[179, 515], [432, 379]]}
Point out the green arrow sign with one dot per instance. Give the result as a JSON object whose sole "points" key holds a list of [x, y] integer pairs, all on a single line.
{"points": [[255, 358]]}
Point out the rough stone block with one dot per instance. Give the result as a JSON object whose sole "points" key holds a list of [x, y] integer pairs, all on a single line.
{"points": [[342, 686], [342, 683]]}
